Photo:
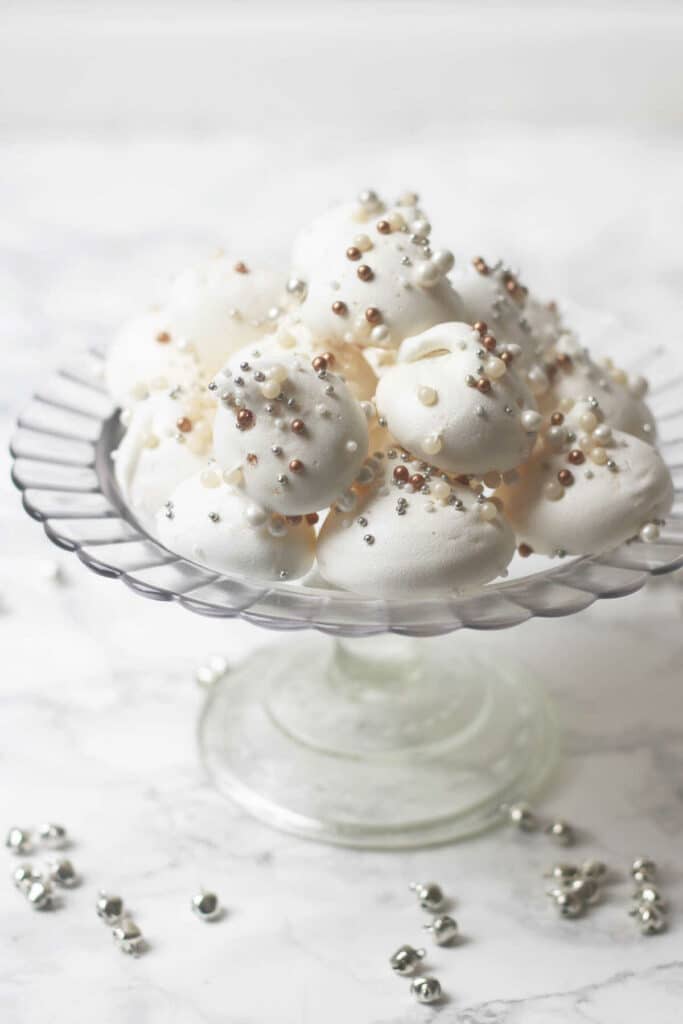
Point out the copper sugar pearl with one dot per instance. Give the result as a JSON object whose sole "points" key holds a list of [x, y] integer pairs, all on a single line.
{"points": [[489, 342], [245, 419], [241, 267], [319, 364], [576, 457], [163, 337], [417, 481], [353, 253], [384, 227], [365, 272], [566, 477], [373, 315], [296, 466], [340, 308], [484, 385], [524, 550], [401, 474], [480, 327], [298, 426], [184, 424], [557, 419]]}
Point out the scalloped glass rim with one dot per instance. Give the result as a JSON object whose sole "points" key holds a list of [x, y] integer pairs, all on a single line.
{"points": [[62, 447]]}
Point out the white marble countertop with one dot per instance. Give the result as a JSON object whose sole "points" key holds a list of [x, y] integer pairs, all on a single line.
{"points": [[97, 694]]}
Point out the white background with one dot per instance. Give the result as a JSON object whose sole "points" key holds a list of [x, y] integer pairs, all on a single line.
{"points": [[136, 136]]}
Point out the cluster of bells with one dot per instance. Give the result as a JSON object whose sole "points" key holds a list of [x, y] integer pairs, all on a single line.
{"points": [[444, 930], [37, 883], [574, 888], [38, 886]]}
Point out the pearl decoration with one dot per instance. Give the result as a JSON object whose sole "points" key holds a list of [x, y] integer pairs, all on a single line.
{"points": [[495, 367], [588, 421], [427, 395], [531, 420], [351, 447], [488, 511], [255, 515], [553, 490], [649, 533], [271, 388], [538, 380], [599, 456], [363, 242], [602, 434], [440, 490], [444, 260], [431, 444], [427, 274]]}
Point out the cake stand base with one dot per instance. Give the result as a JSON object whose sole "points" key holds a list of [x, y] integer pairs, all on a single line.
{"points": [[383, 742]]}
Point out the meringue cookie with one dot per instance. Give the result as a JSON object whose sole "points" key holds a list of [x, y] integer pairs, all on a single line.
{"points": [[298, 432], [291, 336], [217, 525], [545, 322], [401, 542], [620, 396], [492, 294], [168, 438], [372, 279], [587, 502], [146, 355], [222, 305], [456, 404]]}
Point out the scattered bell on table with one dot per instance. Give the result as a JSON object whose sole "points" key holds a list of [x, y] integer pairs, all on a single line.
{"points": [[128, 937], [563, 873], [569, 904], [643, 870], [39, 894], [595, 869], [109, 908], [587, 889], [405, 960], [23, 875], [53, 836], [561, 831], [18, 840], [63, 873], [523, 817], [429, 894], [444, 929], [206, 906], [649, 895], [426, 990], [649, 919]]}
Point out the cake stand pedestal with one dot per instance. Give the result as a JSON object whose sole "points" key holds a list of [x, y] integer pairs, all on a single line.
{"points": [[386, 741]]}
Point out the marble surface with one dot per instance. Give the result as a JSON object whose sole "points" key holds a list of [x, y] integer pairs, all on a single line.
{"points": [[97, 694]]}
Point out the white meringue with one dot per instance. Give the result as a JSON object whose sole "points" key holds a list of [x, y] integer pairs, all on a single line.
{"points": [[146, 355], [612, 494], [222, 305], [390, 288], [299, 450], [155, 454], [492, 294], [620, 397], [432, 410], [397, 542], [218, 525]]}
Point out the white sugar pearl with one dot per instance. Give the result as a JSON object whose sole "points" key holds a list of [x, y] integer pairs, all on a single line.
{"points": [[602, 434], [495, 367], [279, 423], [488, 511], [210, 477], [538, 380], [351, 446], [649, 533], [408, 199], [553, 490], [599, 456], [444, 260], [427, 395], [531, 420], [139, 390], [396, 220], [431, 444], [556, 436], [441, 490], [588, 421], [363, 242], [420, 226], [379, 334], [233, 477], [277, 372], [566, 405], [270, 388], [427, 274], [255, 515]]}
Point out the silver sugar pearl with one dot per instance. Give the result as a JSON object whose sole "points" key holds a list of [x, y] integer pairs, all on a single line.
{"points": [[128, 937], [109, 908], [429, 895], [444, 929], [53, 836], [63, 873], [206, 906], [39, 894], [523, 817], [426, 990], [18, 840], [561, 832], [405, 960]]}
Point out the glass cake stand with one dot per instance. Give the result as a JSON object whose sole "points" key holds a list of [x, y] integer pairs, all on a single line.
{"points": [[363, 731]]}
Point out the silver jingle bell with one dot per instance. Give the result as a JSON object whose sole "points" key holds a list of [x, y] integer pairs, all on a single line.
{"points": [[595, 869], [18, 840], [563, 873], [561, 831], [23, 875], [643, 870], [587, 889], [128, 937], [405, 960], [206, 906], [109, 908], [523, 817], [650, 920], [426, 990], [444, 929], [39, 894], [649, 895], [569, 904], [63, 873], [53, 836], [429, 894]]}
